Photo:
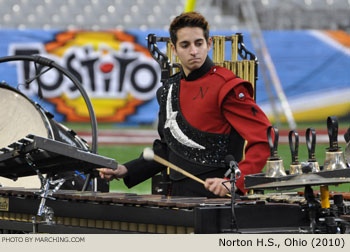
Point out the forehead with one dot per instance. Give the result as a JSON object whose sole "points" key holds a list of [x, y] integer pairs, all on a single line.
{"points": [[190, 34]]}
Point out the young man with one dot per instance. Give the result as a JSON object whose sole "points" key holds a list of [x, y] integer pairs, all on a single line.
{"points": [[205, 114]]}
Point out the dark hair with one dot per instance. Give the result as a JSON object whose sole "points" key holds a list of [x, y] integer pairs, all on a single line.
{"points": [[188, 19]]}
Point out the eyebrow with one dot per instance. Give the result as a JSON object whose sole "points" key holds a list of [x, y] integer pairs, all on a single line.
{"points": [[186, 41]]}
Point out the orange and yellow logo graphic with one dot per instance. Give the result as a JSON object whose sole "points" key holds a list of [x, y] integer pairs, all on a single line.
{"points": [[118, 74]]}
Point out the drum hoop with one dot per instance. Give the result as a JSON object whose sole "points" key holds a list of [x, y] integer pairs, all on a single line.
{"points": [[46, 121]]}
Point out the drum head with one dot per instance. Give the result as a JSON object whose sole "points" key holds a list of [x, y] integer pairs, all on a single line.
{"points": [[18, 117]]}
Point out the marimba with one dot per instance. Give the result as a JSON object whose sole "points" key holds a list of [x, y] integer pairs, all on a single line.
{"points": [[93, 212]]}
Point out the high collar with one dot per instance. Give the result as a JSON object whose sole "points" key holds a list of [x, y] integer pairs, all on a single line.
{"points": [[196, 74]]}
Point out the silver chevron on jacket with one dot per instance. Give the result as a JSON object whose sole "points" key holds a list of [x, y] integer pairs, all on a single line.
{"points": [[175, 130]]}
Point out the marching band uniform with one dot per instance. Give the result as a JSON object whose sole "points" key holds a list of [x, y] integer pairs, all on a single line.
{"points": [[203, 117]]}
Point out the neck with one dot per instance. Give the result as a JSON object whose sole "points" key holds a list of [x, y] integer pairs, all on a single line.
{"points": [[186, 72], [199, 72]]}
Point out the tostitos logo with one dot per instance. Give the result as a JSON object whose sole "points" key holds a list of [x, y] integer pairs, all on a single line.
{"points": [[118, 74]]}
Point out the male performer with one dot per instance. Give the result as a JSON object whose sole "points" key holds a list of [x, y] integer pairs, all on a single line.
{"points": [[206, 113]]}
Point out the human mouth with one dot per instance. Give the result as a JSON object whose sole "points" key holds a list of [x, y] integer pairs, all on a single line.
{"points": [[194, 60]]}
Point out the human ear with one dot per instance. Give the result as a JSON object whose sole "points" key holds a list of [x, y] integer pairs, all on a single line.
{"points": [[210, 42], [173, 49]]}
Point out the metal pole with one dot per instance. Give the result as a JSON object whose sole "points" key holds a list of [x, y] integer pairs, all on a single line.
{"points": [[190, 5], [263, 53]]}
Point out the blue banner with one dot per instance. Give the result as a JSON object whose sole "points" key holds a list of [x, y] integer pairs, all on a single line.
{"points": [[121, 78]]}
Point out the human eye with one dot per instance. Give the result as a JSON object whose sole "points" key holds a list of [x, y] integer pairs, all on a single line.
{"points": [[184, 45], [199, 43]]}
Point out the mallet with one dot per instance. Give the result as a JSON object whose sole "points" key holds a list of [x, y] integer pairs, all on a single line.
{"points": [[148, 154]]}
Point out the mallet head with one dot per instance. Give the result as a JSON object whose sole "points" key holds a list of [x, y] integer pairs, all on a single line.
{"points": [[148, 154]]}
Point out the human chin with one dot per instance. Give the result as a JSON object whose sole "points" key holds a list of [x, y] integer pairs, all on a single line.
{"points": [[193, 65]]}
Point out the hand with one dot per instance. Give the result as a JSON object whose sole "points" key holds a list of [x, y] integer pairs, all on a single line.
{"points": [[215, 186], [110, 174]]}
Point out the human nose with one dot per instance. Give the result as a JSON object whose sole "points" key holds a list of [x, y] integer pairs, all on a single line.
{"points": [[193, 50]]}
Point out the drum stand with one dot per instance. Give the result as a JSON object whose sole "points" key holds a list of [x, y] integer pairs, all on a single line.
{"points": [[45, 193], [235, 174], [313, 206], [316, 211]]}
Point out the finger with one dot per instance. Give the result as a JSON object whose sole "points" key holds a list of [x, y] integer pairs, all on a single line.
{"points": [[212, 187], [223, 191], [107, 171], [217, 189], [209, 182]]}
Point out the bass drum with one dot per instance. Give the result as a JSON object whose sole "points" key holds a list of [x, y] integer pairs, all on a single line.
{"points": [[19, 117]]}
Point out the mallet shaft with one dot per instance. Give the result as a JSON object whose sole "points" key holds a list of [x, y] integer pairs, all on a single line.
{"points": [[178, 169]]}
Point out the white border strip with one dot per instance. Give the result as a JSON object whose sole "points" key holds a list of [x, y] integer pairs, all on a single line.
{"points": [[330, 41]]}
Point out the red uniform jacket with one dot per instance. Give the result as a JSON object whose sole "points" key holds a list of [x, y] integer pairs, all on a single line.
{"points": [[216, 111]]}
